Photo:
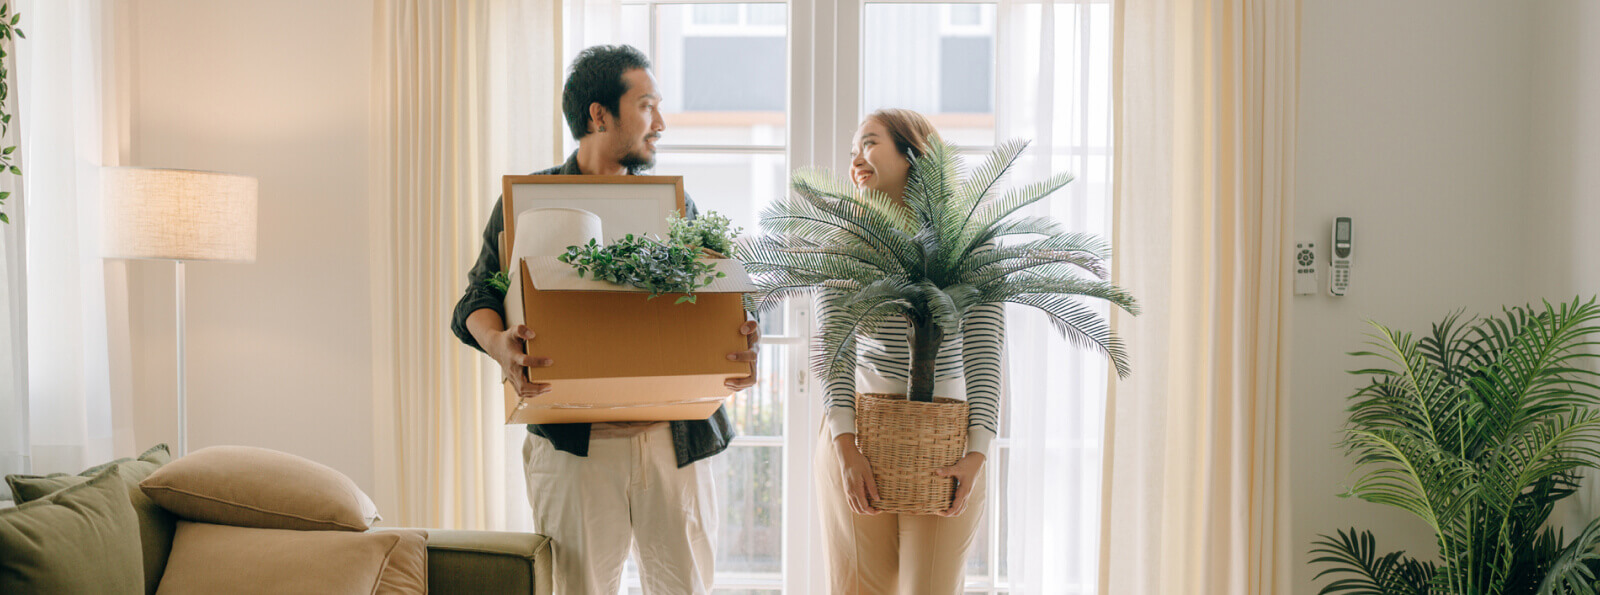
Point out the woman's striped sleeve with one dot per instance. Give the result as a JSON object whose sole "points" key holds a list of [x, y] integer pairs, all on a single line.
{"points": [[839, 390], [983, 334]]}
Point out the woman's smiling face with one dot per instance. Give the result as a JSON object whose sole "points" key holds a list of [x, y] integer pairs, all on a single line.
{"points": [[874, 161]]}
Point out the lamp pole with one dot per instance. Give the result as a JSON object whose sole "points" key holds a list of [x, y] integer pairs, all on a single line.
{"points": [[183, 406]]}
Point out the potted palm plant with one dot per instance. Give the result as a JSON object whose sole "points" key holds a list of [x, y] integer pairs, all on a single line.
{"points": [[956, 244], [1477, 429]]}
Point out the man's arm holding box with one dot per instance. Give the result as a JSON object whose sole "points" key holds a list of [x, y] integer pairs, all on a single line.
{"points": [[479, 318], [480, 294]]}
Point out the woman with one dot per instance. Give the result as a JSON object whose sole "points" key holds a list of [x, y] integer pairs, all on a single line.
{"points": [[869, 551]]}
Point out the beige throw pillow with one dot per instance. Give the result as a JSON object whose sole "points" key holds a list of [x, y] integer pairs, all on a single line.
{"points": [[246, 486], [210, 558]]}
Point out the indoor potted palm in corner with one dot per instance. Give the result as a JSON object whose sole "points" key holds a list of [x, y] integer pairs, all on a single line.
{"points": [[956, 244], [1477, 429]]}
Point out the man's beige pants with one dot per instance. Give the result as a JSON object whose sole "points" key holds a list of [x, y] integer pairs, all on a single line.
{"points": [[629, 492], [889, 553]]}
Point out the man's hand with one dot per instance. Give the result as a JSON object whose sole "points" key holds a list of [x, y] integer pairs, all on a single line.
{"points": [[752, 331], [507, 348], [859, 488], [966, 473]]}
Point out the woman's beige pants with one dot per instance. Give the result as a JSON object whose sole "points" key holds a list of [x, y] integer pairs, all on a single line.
{"points": [[892, 553]]}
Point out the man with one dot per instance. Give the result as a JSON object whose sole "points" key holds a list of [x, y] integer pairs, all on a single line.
{"points": [[597, 489]]}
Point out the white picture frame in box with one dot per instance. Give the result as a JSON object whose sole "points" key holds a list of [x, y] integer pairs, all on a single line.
{"points": [[625, 204]]}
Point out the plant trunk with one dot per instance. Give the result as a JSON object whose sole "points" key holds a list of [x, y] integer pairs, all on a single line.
{"points": [[925, 341]]}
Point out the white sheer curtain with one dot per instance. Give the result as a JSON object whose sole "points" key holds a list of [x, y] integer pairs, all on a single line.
{"points": [[13, 305], [1055, 90], [462, 93], [72, 107], [1196, 494]]}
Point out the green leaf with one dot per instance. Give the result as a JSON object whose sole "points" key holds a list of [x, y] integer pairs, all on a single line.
{"points": [[16, 170], [9, 150], [4, 218]]}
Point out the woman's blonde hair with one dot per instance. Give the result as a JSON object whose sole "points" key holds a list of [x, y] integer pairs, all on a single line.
{"points": [[911, 131]]}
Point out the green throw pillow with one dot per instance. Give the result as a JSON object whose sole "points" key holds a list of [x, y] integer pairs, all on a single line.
{"points": [[34, 487], [83, 539], [156, 525]]}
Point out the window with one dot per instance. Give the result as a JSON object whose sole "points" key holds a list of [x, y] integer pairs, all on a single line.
{"points": [[958, 95], [721, 69]]}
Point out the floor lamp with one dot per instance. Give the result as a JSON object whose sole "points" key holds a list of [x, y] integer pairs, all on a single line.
{"points": [[182, 216]]}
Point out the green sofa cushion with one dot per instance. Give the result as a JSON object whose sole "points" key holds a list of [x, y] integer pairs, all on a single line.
{"points": [[83, 539], [156, 525], [33, 487]]}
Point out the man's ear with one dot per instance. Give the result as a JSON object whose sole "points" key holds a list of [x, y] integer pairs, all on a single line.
{"points": [[599, 116]]}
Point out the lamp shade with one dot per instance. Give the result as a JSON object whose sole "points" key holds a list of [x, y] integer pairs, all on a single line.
{"points": [[176, 214]]}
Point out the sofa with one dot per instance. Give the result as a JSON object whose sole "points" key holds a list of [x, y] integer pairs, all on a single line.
{"points": [[142, 525]]}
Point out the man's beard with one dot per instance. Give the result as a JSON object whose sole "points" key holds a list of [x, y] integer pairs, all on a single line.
{"points": [[638, 161]]}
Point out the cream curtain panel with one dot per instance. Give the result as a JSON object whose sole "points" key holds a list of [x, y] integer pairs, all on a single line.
{"points": [[462, 94], [1195, 495]]}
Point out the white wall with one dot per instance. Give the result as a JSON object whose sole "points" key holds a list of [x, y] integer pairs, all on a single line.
{"points": [[1414, 120], [280, 350], [1564, 157], [1566, 147]]}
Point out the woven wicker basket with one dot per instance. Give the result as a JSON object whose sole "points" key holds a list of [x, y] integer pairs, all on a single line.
{"points": [[906, 441]]}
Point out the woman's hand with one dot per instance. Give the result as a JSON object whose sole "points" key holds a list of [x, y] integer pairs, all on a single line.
{"points": [[966, 473], [859, 488]]}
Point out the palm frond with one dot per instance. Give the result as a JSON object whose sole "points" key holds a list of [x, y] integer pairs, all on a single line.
{"points": [[932, 180], [851, 316], [1085, 252], [1355, 554], [978, 188], [1001, 291], [1576, 570], [823, 217], [945, 312], [1080, 325], [823, 183], [992, 212], [1027, 225]]}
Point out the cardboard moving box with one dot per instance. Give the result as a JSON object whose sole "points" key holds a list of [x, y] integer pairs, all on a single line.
{"points": [[619, 356]]}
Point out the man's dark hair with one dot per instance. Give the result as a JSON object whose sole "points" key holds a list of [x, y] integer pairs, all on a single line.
{"points": [[596, 77]]}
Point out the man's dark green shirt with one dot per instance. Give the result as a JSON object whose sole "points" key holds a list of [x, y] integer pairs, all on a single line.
{"points": [[692, 440]]}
